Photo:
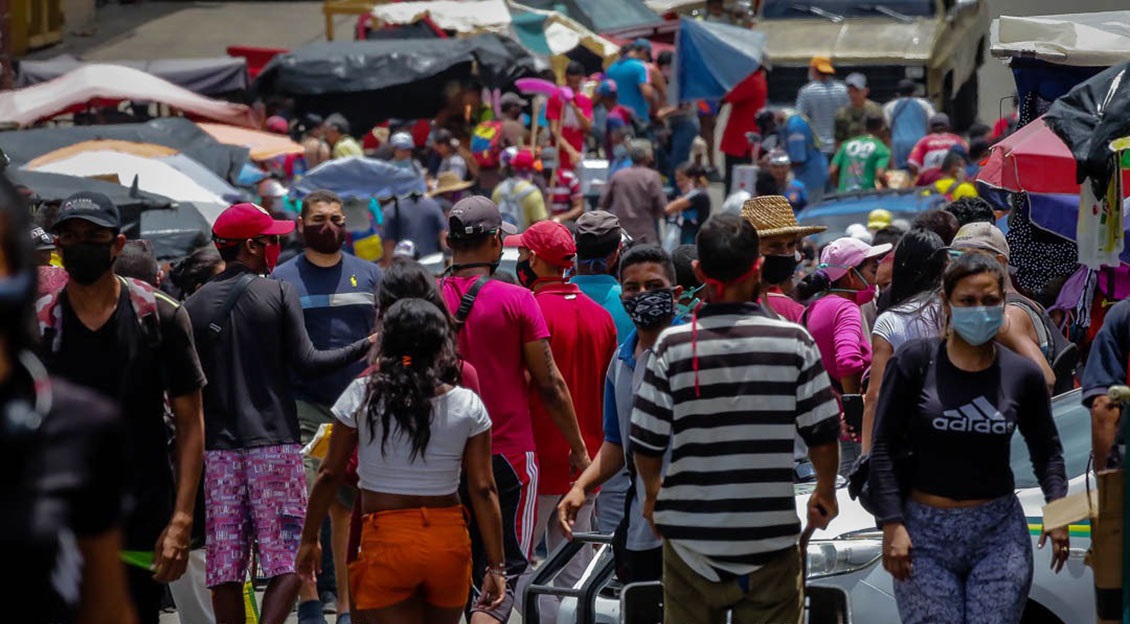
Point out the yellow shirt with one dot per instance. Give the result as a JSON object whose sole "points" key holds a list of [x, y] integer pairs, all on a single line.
{"points": [[956, 189], [347, 146]]}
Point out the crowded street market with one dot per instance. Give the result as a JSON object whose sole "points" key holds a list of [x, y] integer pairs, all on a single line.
{"points": [[579, 312]]}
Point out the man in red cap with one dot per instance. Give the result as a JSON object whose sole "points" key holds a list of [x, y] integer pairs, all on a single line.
{"points": [[583, 338], [520, 201], [252, 342]]}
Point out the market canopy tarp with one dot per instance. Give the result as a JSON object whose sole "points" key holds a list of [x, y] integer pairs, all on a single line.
{"points": [[339, 67], [1092, 115], [113, 82], [601, 16], [262, 145], [1098, 39], [206, 76], [712, 58], [361, 178], [461, 16], [180, 134]]}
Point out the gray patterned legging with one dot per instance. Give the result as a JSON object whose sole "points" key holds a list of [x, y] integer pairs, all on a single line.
{"points": [[972, 565]]}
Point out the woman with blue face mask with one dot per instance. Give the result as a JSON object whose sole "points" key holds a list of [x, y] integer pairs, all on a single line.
{"points": [[955, 539]]}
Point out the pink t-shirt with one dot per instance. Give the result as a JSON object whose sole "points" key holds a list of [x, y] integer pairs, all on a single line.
{"points": [[503, 319], [787, 308], [930, 151], [837, 328]]}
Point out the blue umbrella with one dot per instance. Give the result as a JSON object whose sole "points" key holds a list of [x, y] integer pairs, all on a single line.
{"points": [[358, 177], [711, 58]]}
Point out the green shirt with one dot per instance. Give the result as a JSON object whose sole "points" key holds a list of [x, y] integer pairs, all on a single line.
{"points": [[858, 161]]}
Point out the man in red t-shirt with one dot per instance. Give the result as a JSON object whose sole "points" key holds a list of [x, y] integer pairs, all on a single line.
{"points": [[583, 339], [506, 339], [571, 117], [930, 151]]}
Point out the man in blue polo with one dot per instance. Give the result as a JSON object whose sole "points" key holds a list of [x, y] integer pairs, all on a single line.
{"points": [[336, 291]]}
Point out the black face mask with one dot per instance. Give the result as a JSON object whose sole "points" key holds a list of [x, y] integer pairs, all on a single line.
{"points": [[651, 308], [324, 237], [777, 269], [525, 274], [86, 262]]}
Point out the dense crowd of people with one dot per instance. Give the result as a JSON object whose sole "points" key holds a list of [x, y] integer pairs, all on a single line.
{"points": [[392, 443]]}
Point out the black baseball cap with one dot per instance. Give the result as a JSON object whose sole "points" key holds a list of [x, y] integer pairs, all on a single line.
{"points": [[476, 216], [90, 206]]}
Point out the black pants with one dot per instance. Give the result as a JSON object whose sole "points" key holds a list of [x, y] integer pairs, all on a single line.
{"points": [[145, 593], [728, 176], [641, 566]]}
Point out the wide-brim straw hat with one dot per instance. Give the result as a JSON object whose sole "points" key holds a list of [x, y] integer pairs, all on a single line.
{"points": [[771, 215], [449, 182]]}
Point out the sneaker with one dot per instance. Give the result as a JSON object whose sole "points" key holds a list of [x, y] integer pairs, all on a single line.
{"points": [[329, 602]]}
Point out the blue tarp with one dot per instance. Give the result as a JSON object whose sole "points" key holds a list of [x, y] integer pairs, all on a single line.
{"points": [[710, 59], [361, 178]]}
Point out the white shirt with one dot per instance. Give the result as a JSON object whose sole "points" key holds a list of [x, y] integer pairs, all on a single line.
{"points": [[457, 416]]}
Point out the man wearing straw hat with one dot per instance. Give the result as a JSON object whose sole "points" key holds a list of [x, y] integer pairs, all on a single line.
{"points": [[779, 240], [449, 189]]}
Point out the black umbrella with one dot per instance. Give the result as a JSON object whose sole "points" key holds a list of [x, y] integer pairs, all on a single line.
{"points": [[1089, 117], [173, 228]]}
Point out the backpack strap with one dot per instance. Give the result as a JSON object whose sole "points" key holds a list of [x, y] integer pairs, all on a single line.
{"points": [[468, 300], [143, 299], [49, 316], [220, 319]]}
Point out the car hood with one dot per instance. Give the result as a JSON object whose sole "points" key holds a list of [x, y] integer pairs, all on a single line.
{"points": [[855, 40]]}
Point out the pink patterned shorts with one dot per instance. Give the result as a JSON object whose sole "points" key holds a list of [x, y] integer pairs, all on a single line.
{"points": [[255, 495]]}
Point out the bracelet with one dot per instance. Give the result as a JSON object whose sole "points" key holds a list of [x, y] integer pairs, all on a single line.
{"points": [[498, 570]]}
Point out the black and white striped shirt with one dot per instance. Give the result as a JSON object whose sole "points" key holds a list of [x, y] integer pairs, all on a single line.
{"points": [[727, 500]]}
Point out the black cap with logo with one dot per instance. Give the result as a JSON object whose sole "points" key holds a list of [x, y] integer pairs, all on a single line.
{"points": [[90, 206], [472, 217]]}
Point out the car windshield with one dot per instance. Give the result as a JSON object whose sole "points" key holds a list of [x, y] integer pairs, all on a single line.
{"points": [[835, 10], [1074, 424]]}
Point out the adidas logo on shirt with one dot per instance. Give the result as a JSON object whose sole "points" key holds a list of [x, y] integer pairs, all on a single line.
{"points": [[978, 416]]}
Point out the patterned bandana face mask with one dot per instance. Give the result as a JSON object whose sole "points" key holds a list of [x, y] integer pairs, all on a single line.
{"points": [[651, 308]]}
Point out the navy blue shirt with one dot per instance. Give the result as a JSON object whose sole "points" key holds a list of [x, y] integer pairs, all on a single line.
{"points": [[339, 307]]}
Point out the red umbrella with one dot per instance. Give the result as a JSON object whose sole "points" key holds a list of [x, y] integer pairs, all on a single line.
{"points": [[1032, 159]]}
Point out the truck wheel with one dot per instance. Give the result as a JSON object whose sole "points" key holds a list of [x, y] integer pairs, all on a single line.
{"points": [[965, 104]]}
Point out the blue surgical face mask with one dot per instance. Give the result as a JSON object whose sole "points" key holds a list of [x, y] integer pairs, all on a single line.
{"points": [[977, 325]]}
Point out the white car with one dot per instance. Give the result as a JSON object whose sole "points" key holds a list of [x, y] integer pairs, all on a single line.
{"points": [[846, 581]]}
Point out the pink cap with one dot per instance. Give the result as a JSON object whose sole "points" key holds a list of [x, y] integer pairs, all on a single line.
{"points": [[843, 254]]}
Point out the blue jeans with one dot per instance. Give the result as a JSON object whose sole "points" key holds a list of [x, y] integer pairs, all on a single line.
{"points": [[970, 565], [684, 130]]}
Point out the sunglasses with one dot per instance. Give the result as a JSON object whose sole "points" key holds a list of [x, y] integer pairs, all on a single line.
{"points": [[268, 239]]}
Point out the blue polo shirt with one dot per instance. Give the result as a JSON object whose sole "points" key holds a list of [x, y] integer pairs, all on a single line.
{"points": [[605, 290], [339, 307], [810, 165]]}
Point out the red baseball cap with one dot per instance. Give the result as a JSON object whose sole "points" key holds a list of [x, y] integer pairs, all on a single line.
{"points": [[240, 222], [549, 240], [523, 160]]}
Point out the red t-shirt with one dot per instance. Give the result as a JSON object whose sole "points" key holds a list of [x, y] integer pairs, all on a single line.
{"points": [[563, 193], [930, 151], [504, 318], [571, 127], [583, 339], [745, 99]]}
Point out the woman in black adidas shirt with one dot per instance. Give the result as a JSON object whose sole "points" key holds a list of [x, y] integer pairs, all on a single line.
{"points": [[955, 536]]}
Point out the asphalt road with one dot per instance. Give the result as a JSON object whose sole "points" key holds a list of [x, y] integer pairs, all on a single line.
{"points": [[995, 81]]}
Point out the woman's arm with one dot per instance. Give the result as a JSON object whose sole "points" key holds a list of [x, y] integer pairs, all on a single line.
{"points": [[677, 205], [881, 353], [484, 496]]}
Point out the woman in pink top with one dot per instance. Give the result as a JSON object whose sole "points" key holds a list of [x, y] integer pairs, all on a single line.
{"points": [[834, 320]]}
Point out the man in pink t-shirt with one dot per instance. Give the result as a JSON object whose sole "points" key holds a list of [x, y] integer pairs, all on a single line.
{"points": [[573, 116], [930, 151], [779, 239], [504, 336]]}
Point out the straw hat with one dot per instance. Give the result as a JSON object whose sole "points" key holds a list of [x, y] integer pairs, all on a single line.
{"points": [[771, 215], [449, 182]]}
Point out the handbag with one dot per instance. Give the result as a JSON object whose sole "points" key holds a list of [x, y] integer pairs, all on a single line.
{"points": [[903, 458]]}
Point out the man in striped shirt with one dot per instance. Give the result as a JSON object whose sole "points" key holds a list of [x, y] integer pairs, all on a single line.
{"points": [[726, 394], [820, 100]]}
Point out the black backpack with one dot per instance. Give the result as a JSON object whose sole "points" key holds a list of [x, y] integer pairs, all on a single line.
{"points": [[1061, 354]]}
